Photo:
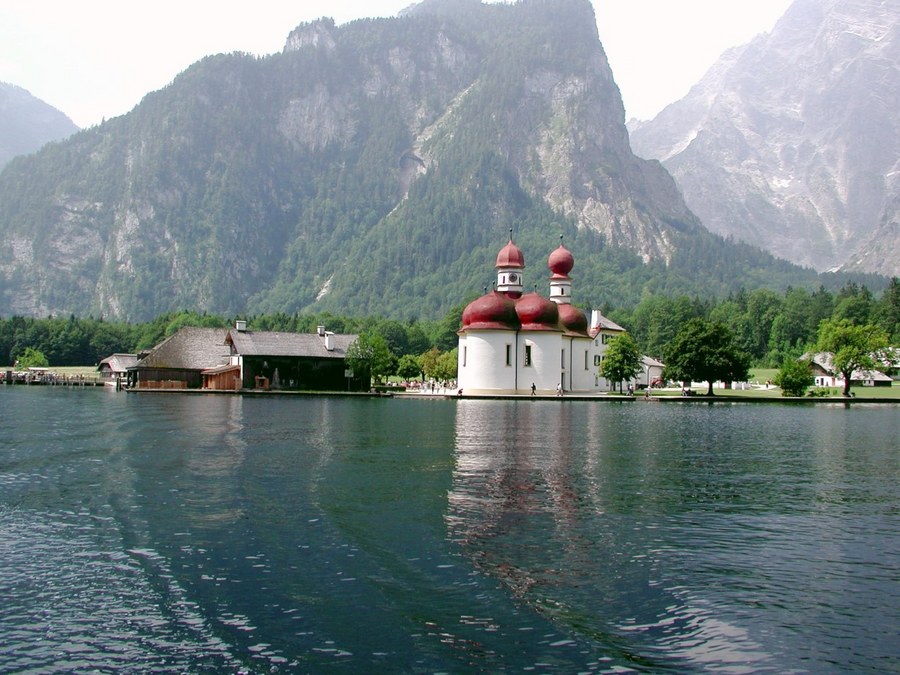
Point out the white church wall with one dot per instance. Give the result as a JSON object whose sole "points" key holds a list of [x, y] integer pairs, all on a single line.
{"points": [[482, 362], [583, 371], [545, 369]]}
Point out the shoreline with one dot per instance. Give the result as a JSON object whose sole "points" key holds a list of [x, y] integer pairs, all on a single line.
{"points": [[74, 383], [609, 398]]}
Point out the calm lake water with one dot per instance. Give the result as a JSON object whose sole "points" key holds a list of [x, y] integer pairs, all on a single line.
{"points": [[179, 533]]}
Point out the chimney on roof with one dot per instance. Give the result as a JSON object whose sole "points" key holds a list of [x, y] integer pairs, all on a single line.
{"points": [[329, 341], [240, 326], [320, 330]]}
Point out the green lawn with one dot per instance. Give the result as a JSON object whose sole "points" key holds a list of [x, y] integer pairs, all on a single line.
{"points": [[892, 392], [65, 370], [763, 375]]}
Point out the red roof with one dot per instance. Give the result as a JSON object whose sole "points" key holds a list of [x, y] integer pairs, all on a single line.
{"points": [[573, 320], [494, 311], [561, 262], [510, 256], [537, 313]]}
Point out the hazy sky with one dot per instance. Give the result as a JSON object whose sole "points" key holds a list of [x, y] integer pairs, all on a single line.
{"points": [[95, 59]]}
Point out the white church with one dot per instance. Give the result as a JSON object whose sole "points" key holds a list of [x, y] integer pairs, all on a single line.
{"points": [[511, 341]]}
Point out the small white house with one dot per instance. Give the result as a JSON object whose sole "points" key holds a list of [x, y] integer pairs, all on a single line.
{"points": [[651, 372], [822, 366]]}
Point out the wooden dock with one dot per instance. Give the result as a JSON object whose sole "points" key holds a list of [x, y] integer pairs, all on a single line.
{"points": [[50, 379]]}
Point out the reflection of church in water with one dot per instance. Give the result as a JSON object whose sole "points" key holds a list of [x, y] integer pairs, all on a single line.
{"points": [[510, 340]]}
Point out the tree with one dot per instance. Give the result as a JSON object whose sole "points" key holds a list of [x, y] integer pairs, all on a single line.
{"points": [[888, 310], [31, 358], [395, 335], [446, 366], [792, 328], [763, 308], [369, 353], [852, 347], [622, 360], [429, 361], [705, 350], [821, 307], [656, 320], [794, 377], [444, 335], [409, 366], [854, 303], [417, 341]]}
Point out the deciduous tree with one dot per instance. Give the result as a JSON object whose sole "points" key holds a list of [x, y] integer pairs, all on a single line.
{"points": [[31, 358], [794, 377], [622, 360], [852, 347], [446, 366], [369, 353], [429, 361], [705, 350], [409, 366]]}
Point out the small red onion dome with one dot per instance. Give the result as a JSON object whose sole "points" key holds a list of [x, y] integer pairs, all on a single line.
{"points": [[537, 313], [573, 320], [493, 311], [510, 256], [561, 263]]}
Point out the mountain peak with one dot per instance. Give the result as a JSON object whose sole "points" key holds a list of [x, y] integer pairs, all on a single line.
{"points": [[27, 123], [791, 142], [319, 33]]}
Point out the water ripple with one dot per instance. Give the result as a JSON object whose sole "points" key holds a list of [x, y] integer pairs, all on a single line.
{"points": [[71, 604]]}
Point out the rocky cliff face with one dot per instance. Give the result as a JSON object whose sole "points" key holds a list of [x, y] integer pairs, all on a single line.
{"points": [[27, 123], [792, 142]]}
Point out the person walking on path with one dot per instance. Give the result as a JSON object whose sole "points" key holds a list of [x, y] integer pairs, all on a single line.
{"points": [[559, 389], [533, 389]]}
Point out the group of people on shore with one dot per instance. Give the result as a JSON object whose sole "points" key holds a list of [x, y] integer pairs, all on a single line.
{"points": [[431, 386]]}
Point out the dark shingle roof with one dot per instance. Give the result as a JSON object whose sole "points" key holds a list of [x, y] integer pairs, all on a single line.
{"points": [[262, 343], [609, 324], [189, 349]]}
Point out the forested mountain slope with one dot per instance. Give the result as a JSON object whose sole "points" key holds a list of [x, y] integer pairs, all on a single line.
{"points": [[369, 168]]}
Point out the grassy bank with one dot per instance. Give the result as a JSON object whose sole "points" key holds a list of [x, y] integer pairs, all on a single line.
{"points": [[759, 376], [773, 392]]}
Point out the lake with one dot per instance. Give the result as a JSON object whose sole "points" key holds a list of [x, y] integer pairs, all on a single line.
{"points": [[204, 533]]}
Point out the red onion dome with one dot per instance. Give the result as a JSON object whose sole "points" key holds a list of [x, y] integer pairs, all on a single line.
{"points": [[561, 262], [537, 313], [510, 256], [573, 320], [493, 311]]}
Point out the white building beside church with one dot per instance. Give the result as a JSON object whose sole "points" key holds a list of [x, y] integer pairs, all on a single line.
{"points": [[510, 340]]}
